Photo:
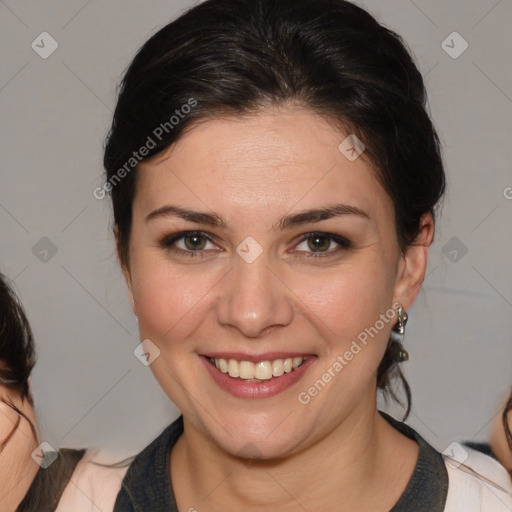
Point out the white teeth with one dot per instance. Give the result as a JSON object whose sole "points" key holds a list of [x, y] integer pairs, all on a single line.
{"points": [[223, 365], [277, 368], [246, 370], [297, 361], [233, 368], [264, 370]]}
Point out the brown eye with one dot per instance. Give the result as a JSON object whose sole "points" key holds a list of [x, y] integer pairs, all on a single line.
{"points": [[322, 244], [190, 243], [195, 242], [318, 243]]}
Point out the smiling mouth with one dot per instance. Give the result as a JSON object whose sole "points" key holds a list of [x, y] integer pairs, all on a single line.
{"points": [[262, 371]]}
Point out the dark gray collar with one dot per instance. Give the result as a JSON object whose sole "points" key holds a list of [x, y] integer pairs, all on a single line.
{"points": [[428, 486], [146, 485], [50, 481]]}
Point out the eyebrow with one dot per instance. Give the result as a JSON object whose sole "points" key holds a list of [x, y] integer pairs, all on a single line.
{"points": [[286, 222]]}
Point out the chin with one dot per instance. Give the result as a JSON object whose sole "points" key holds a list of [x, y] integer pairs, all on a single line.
{"points": [[262, 437]]}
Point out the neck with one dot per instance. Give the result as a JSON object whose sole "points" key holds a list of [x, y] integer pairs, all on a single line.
{"points": [[363, 452]]}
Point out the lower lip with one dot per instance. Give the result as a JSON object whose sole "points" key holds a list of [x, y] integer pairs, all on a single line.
{"points": [[243, 389]]}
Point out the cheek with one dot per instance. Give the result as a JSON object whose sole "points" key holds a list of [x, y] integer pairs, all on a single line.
{"points": [[346, 308], [168, 301], [348, 299]]}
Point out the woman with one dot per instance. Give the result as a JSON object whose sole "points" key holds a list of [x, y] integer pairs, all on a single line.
{"points": [[274, 178], [32, 479], [18, 438], [500, 444]]}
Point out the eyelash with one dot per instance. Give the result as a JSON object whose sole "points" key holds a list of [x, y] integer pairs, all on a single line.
{"points": [[168, 242]]}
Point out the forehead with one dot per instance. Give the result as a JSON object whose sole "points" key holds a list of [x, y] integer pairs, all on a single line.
{"points": [[276, 157]]}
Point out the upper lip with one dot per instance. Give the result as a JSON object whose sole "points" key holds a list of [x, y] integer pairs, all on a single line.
{"points": [[256, 358]]}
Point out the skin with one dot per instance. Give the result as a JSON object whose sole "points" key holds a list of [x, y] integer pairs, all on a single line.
{"points": [[274, 452], [17, 468], [498, 440]]}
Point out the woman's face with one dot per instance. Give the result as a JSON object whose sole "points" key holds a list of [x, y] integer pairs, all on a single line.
{"points": [[263, 277], [17, 469]]}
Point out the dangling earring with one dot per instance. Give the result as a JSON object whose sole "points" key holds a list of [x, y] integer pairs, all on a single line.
{"points": [[399, 328], [402, 321]]}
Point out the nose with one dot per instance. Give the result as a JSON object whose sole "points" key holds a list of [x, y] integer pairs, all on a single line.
{"points": [[253, 299]]}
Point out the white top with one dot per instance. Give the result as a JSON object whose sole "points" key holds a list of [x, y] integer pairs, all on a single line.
{"points": [[480, 484], [93, 487]]}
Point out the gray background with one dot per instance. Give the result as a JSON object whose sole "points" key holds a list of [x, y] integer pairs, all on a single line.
{"points": [[89, 387]]}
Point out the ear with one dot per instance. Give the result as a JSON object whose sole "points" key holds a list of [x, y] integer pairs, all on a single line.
{"points": [[413, 264], [125, 269]]}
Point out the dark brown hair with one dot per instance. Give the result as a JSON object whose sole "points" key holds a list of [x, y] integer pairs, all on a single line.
{"points": [[236, 57], [506, 424], [17, 355]]}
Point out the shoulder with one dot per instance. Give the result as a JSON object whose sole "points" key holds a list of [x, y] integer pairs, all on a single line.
{"points": [[148, 477], [478, 483], [93, 485]]}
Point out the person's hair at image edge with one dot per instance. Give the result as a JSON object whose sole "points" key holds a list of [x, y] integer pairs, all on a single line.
{"points": [[506, 425], [237, 57], [17, 359], [17, 355]]}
